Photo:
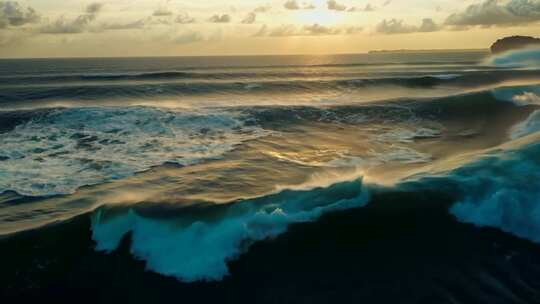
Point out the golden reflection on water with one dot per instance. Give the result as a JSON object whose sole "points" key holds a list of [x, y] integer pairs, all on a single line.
{"points": [[311, 156]]}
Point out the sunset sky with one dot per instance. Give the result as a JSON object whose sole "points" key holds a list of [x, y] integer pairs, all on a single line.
{"points": [[73, 28]]}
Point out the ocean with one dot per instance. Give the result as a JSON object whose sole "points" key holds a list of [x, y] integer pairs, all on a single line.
{"points": [[399, 177]]}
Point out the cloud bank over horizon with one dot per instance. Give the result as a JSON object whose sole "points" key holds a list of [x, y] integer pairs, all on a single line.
{"points": [[77, 25]]}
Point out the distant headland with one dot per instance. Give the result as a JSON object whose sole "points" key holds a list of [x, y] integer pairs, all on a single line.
{"points": [[426, 51], [500, 46], [514, 43]]}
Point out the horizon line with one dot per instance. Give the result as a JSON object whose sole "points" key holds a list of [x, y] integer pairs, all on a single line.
{"points": [[256, 55]]}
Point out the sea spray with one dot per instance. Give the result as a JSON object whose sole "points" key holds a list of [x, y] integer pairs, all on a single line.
{"points": [[193, 248], [500, 190], [526, 58]]}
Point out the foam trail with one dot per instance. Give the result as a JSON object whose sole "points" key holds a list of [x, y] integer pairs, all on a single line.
{"points": [[527, 98], [529, 126], [57, 154], [193, 248]]}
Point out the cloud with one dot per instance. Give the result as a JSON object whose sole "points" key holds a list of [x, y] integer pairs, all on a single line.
{"points": [[293, 5], [354, 30], [307, 30], [11, 38], [65, 26], [94, 8], [184, 18], [486, 14], [189, 37], [317, 29], [13, 14], [262, 9], [225, 18], [250, 18], [428, 25], [159, 21], [395, 26], [369, 8], [139, 24], [73, 26], [335, 6], [282, 30], [494, 13], [162, 12]]}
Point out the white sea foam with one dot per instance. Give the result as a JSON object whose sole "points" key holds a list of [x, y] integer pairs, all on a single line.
{"points": [[530, 125], [401, 154], [503, 192], [527, 98], [194, 249], [70, 148], [408, 136], [396, 149]]}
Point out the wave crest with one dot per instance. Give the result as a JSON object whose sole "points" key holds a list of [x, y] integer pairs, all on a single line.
{"points": [[500, 190], [194, 248], [502, 193], [527, 58]]}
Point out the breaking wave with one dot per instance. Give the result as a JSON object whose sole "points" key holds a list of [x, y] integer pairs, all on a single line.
{"points": [[58, 152], [197, 245], [529, 126], [527, 58], [500, 190], [502, 193]]}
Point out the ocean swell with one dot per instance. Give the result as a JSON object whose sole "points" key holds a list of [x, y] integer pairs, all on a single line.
{"points": [[170, 85], [197, 247], [527, 58]]}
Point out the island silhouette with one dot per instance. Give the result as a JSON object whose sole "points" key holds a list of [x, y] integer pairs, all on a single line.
{"points": [[514, 43]]}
